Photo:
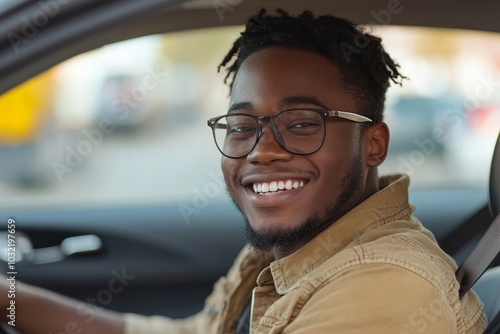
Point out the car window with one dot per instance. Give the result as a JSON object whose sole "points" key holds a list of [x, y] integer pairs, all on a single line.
{"points": [[125, 124], [445, 119]]}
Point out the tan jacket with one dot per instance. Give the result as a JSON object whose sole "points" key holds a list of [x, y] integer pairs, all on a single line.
{"points": [[375, 270]]}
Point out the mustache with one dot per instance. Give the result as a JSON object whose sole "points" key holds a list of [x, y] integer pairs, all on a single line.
{"points": [[278, 169]]}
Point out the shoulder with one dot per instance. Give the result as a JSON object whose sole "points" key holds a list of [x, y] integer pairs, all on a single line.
{"points": [[379, 297], [403, 248], [398, 270]]}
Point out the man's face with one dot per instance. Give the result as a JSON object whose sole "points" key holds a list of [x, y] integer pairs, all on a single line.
{"points": [[325, 184]]}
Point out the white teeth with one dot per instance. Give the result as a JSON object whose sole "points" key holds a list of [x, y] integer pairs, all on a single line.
{"points": [[274, 186]]}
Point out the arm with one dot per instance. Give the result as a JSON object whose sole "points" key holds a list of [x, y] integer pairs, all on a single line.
{"points": [[41, 311]]}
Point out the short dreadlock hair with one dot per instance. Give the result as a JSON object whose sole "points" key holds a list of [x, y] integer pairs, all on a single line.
{"points": [[365, 67]]}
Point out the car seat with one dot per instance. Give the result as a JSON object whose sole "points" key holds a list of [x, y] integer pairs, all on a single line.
{"points": [[488, 286]]}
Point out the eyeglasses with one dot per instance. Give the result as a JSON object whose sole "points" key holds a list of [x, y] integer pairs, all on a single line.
{"points": [[298, 131]]}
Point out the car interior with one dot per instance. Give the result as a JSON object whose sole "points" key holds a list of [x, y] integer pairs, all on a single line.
{"points": [[487, 286], [143, 193]]}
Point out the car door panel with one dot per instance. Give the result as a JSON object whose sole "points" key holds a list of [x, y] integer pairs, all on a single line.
{"points": [[157, 262]]}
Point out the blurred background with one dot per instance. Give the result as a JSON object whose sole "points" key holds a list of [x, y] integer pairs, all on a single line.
{"points": [[126, 124]]}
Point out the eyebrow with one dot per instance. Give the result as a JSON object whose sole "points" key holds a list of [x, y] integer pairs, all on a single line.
{"points": [[288, 102], [294, 101], [240, 106]]}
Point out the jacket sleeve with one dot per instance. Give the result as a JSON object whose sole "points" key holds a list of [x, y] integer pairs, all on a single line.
{"points": [[381, 298], [209, 320], [138, 324], [206, 321]]}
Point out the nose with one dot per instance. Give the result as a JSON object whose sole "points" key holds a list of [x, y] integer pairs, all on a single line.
{"points": [[268, 149]]}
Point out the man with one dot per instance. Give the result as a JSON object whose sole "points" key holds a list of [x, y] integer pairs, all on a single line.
{"points": [[333, 247]]}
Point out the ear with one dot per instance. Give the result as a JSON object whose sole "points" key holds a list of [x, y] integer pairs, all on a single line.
{"points": [[376, 139]]}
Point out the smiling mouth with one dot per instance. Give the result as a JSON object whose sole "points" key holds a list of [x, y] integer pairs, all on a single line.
{"points": [[268, 188]]}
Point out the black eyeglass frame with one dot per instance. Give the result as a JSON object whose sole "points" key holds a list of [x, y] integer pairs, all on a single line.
{"points": [[325, 114]]}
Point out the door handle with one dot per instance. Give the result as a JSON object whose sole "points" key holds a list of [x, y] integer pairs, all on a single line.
{"points": [[25, 253]]}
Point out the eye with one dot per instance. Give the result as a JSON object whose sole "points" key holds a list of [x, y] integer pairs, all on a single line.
{"points": [[242, 129], [240, 124], [303, 124], [300, 121], [305, 127]]}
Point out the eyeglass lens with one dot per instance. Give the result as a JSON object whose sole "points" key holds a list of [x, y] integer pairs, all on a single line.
{"points": [[297, 131]]}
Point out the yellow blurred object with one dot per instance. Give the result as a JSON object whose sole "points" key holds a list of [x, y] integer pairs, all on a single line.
{"points": [[24, 109]]}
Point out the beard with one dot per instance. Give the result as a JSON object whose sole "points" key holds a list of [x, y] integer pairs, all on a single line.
{"points": [[268, 239]]}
